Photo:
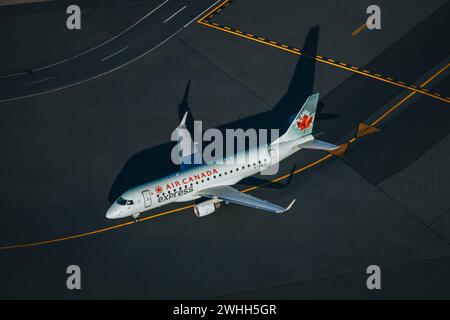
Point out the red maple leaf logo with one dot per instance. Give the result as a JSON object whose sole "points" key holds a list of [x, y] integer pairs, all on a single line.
{"points": [[158, 189], [305, 122]]}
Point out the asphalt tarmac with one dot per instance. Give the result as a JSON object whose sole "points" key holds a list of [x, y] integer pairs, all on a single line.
{"points": [[72, 143], [143, 36]]}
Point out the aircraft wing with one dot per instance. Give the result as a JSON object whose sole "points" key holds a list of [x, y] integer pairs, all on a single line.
{"points": [[229, 194]]}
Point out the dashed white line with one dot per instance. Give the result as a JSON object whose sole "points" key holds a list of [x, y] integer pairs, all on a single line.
{"points": [[91, 49], [112, 55], [109, 71], [38, 81], [173, 15], [144, 17], [12, 75], [96, 76]]}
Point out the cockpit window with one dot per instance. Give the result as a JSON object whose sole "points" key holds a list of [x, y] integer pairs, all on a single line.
{"points": [[121, 201], [124, 202]]}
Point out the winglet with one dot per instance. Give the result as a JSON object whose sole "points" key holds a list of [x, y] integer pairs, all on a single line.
{"points": [[290, 205]]}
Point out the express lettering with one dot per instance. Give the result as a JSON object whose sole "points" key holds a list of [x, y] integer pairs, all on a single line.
{"points": [[174, 194]]}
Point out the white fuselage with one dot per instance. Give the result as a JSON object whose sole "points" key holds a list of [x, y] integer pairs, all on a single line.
{"points": [[184, 185]]}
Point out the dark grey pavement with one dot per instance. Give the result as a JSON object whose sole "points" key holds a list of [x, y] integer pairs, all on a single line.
{"points": [[141, 37], [67, 154]]}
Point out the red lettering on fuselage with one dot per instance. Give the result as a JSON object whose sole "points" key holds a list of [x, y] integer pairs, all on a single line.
{"points": [[190, 179]]}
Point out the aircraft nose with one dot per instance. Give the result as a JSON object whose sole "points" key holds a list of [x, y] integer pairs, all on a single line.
{"points": [[111, 213]]}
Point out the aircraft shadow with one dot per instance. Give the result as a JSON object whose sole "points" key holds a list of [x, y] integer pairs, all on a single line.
{"points": [[267, 183], [149, 164]]}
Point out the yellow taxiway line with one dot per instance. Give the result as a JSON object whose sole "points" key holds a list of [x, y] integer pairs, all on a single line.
{"points": [[214, 10], [319, 58], [312, 164], [360, 28], [408, 96]]}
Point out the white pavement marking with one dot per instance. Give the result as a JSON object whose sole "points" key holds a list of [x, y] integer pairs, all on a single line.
{"points": [[173, 15], [96, 76], [91, 49], [112, 55], [109, 71], [202, 13], [38, 81], [12, 75]]}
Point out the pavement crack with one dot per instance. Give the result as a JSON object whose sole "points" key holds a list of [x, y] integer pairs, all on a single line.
{"points": [[439, 217], [388, 196], [323, 278]]}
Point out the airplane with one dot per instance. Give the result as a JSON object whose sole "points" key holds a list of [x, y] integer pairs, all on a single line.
{"points": [[214, 181]]}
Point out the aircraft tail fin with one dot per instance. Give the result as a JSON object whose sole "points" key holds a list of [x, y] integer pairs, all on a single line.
{"points": [[302, 124]]}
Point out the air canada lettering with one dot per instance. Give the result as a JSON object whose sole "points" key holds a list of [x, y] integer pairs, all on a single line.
{"points": [[190, 179], [174, 189]]}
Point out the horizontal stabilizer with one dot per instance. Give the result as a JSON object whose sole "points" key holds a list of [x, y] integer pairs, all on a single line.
{"points": [[318, 145]]}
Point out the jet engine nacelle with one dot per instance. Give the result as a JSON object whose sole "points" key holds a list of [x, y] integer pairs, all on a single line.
{"points": [[207, 207]]}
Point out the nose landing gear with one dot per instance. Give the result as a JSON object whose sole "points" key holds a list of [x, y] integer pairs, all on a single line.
{"points": [[136, 217]]}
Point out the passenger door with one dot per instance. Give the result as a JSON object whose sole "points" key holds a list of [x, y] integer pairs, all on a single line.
{"points": [[147, 198]]}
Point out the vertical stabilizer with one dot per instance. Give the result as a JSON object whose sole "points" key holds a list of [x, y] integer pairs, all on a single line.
{"points": [[302, 125]]}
